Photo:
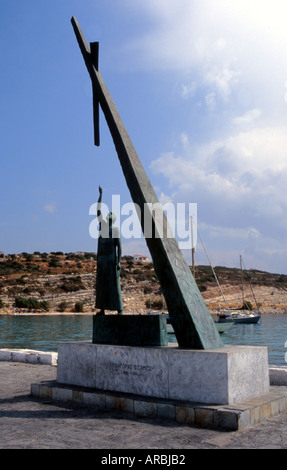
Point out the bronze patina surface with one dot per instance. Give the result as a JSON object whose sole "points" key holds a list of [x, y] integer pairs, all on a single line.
{"points": [[130, 330], [108, 288]]}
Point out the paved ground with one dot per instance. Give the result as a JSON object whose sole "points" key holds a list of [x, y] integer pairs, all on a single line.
{"points": [[36, 424]]}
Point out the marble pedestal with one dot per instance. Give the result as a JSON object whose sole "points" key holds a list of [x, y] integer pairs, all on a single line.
{"points": [[216, 376]]}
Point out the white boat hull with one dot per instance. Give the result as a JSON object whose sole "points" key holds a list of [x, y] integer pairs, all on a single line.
{"points": [[221, 327], [240, 318]]}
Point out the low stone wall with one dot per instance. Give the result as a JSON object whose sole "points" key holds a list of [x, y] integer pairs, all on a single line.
{"points": [[278, 375], [29, 356]]}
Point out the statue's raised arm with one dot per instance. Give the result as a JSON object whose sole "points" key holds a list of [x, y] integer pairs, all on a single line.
{"points": [[99, 211]]}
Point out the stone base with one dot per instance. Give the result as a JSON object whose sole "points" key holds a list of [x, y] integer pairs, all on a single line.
{"points": [[130, 330], [216, 376], [224, 417]]}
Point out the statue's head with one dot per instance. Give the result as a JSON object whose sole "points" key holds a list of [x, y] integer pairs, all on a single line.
{"points": [[111, 218]]}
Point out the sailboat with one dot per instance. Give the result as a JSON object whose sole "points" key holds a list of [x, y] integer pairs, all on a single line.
{"points": [[243, 314], [222, 325]]}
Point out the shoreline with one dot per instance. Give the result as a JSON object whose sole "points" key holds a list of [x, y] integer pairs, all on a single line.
{"points": [[19, 312]]}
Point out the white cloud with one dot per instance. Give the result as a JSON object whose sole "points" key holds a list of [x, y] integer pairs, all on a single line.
{"points": [[210, 101], [222, 78], [248, 117], [188, 90], [184, 139], [239, 185], [222, 165], [222, 46], [229, 62], [189, 30], [51, 207]]}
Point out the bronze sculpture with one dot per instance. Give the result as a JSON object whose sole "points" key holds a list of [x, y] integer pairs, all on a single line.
{"points": [[190, 318], [108, 289]]}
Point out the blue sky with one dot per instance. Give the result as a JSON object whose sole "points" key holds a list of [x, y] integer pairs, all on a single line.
{"points": [[202, 89]]}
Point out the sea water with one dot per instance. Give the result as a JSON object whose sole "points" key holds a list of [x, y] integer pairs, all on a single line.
{"points": [[270, 331], [45, 332]]}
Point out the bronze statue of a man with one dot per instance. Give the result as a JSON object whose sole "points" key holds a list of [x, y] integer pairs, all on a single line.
{"points": [[108, 288]]}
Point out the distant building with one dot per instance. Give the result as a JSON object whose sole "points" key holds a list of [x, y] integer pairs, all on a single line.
{"points": [[141, 258]]}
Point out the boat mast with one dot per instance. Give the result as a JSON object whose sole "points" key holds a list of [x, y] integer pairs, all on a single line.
{"points": [[192, 248], [249, 280], [214, 274], [242, 287]]}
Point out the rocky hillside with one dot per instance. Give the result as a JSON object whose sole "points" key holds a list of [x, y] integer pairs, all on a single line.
{"points": [[269, 290], [65, 282]]}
